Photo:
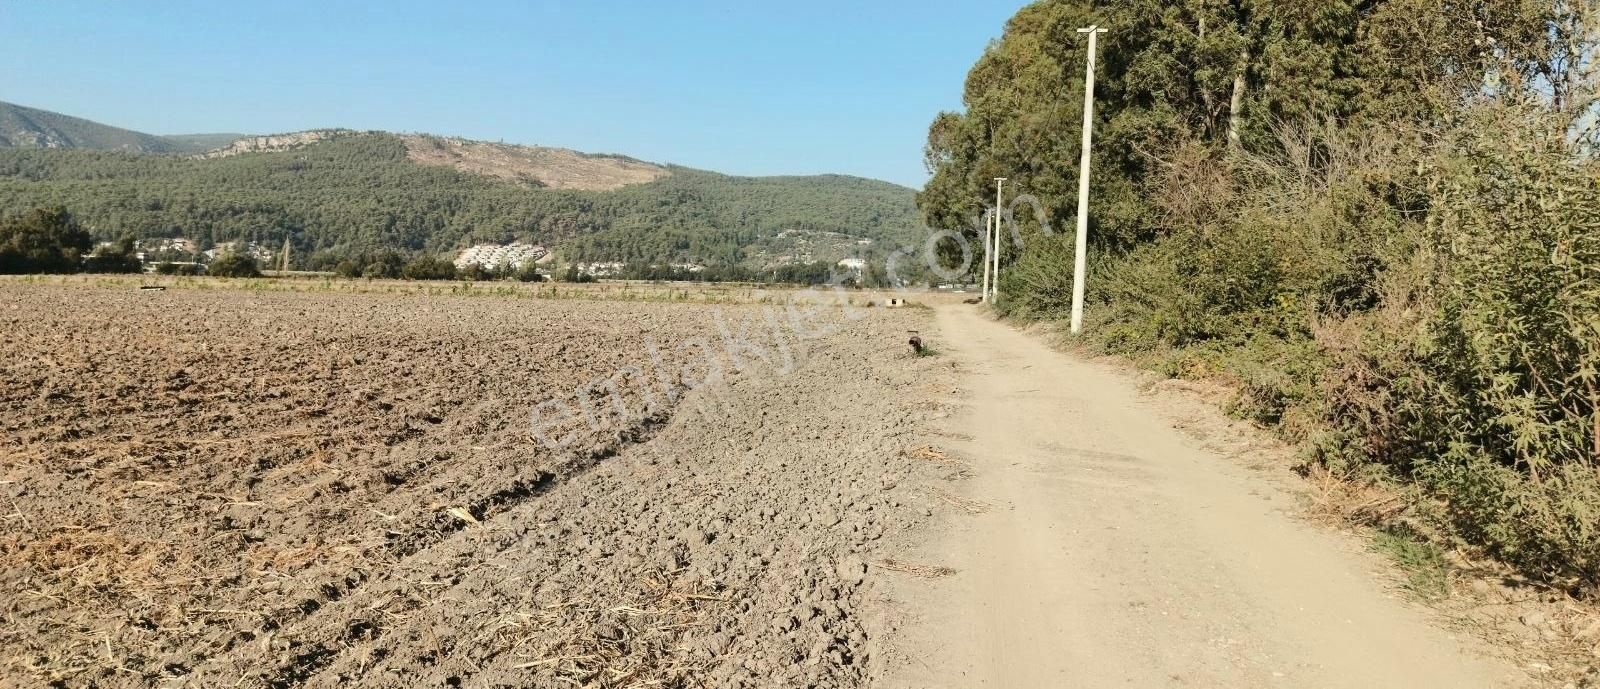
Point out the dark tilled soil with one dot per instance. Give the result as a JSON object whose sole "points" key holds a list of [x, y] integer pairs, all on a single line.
{"points": [[226, 488]]}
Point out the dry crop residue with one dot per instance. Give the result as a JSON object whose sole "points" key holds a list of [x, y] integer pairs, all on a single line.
{"points": [[208, 487]]}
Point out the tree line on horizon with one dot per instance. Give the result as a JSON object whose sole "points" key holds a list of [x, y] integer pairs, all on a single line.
{"points": [[339, 199], [51, 240]]}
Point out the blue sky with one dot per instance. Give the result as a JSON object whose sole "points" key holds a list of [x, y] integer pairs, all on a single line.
{"points": [[754, 88]]}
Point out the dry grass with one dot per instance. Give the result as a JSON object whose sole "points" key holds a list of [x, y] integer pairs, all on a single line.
{"points": [[931, 454], [1346, 502], [916, 570], [967, 505], [81, 575], [632, 644], [927, 453]]}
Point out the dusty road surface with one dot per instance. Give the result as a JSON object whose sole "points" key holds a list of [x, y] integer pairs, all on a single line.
{"points": [[1116, 554]]}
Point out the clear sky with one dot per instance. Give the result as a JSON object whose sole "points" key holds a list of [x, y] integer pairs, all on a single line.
{"points": [[752, 87]]}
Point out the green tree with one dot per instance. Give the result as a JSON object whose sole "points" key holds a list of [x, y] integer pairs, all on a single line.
{"points": [[119, 257], [572, 274], [1221, 74], [347, 268], [233, 265], [529, 273], [428, 267], [502, 271], [170, 268], [44, 240], [387, 264]]}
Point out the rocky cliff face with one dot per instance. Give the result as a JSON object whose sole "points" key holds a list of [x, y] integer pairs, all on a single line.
{"points": [[24, 138], [275, 142]]}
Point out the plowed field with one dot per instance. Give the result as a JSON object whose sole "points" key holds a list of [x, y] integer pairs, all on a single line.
{"points": [[223, 487]]}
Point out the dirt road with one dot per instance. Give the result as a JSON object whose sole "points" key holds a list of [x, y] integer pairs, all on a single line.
{"points": [[1117, 554]]}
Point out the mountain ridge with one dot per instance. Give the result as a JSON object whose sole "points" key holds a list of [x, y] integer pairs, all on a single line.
{"points": [[25, 127], [217, 145], [332, 193]]}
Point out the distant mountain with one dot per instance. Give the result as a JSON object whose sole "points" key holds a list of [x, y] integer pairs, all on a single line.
{"points": [[195, 143], [339, 192], [32, 128], [25, 127]]}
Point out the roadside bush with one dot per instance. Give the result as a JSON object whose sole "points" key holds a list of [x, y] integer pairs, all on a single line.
{"points": [[1033, 286], [1479, 375], [1391, 256], [1425, 308]]}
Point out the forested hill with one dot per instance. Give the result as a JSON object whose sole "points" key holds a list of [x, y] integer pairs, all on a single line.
{"points": [[353, 192]]}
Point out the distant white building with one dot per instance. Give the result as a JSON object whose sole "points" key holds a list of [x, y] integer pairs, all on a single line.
{"points": [[489, 256], [855, 264], [260, 253], [168, 244], [601, 268], [146, 249]]}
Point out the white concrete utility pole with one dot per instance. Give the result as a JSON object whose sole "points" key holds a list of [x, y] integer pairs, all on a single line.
{"points": [[988, 231], [999, 183], [1080, 263]]}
